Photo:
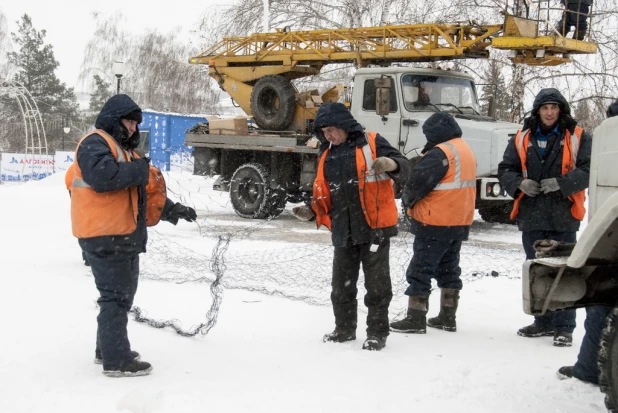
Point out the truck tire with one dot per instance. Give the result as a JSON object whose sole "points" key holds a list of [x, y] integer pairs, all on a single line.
{"points": [[251, 195], [608, 362], [273, 102], [498, 214]]}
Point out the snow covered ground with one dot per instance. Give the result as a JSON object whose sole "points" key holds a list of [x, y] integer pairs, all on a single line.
{"points": [[265, 353]]}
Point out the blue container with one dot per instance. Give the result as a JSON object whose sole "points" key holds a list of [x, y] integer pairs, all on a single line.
{"points": [[164, 134]]}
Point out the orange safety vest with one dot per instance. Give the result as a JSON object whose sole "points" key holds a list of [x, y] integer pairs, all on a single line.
{"points": [[376, 192], [68, 177], [451, 202], [569, 159], [96, 214]]}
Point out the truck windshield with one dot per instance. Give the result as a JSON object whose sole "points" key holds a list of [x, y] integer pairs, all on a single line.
{"points": [[434, 93]]}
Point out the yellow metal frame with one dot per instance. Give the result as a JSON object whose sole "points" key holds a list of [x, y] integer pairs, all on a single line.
{"points": [[236, 63]]}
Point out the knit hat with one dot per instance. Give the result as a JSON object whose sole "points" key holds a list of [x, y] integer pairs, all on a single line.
{"points": [[136, 115]]}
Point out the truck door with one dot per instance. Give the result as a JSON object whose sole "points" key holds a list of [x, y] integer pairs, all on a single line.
{"points": [[364, 110]]}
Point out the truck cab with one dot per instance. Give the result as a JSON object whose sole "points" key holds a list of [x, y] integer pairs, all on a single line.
{"points": [[414, 95]]}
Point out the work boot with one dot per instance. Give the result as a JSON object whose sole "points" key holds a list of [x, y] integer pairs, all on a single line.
{"points": [[449, 300], [339, 336], [563, 339], [133, 369], [98, 359], [535, 330], [415, 321], [566, 372], [374, 343]]}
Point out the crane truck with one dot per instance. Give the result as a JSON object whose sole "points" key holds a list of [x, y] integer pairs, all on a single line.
{"points": [[273, 165]]}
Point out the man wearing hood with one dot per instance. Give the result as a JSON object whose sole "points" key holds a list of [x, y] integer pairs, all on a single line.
{"points": [[439, 196], [109, 218], [353, 197], [546, 169]]}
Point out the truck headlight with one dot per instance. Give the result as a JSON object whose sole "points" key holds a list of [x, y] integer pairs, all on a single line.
{"points": [[496, 190]]}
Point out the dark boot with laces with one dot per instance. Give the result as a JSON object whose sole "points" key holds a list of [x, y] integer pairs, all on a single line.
{"points": [[98, 359], [133, 369], [446, 320], [340, 336], [536, 330], [415, 321], [563, 339], [374, 343]]}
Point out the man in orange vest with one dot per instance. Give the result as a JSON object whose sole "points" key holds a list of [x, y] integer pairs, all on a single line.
{"points": [[546, 169], [353, 197], [109, 216], [439, 196]]}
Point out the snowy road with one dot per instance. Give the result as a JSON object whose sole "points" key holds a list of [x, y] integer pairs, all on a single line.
{"points": [[265, 352]]}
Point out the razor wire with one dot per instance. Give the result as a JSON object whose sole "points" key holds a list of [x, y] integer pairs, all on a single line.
{"points": [[242, 258]]}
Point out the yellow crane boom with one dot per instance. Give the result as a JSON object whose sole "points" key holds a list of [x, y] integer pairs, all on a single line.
{"points": [[238, 63]]}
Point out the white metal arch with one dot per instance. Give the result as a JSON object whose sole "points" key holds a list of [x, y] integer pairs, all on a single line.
{"points": [[35, 139]]}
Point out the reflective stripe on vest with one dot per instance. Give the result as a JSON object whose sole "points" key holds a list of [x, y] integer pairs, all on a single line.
{"points": [[376, 192], [457, 183], [570, 149], [451, 202], [95, 214]]}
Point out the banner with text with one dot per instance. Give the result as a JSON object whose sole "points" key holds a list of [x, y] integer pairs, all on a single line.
{"points": [[22, 167]]}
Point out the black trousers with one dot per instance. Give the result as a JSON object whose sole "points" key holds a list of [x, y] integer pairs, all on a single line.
{"points": [[346, 269], [571, 18], [437, 259], [116, 275], [559, 320]]}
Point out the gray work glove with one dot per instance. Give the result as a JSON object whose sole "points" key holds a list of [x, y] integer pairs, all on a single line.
{"points": [[384, 164], [530, 187], [549, 248], [549, 185], [304, 213]]}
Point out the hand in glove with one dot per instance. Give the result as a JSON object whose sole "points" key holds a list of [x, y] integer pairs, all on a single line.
{"points": [[549, 185], [181, 211], [530, 187], [304, 213], [384, 164]]}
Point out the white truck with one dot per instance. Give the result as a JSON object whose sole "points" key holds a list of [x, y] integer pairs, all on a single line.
{"points": [[262, 171], [588, 276]]}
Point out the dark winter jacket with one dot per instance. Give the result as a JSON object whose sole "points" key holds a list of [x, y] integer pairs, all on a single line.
{"points": [[348, 221], [577, 2], [101, 171], [552, 211], [612, 110], [429, 171]]}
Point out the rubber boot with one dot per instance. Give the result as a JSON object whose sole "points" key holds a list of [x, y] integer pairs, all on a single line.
{"points": [[415, 321], [449, 300]]}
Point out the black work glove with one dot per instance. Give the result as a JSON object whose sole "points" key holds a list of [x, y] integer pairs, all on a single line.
{"points": [[180, 211]]}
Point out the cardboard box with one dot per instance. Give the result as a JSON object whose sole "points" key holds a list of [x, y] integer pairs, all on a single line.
{"points": [[229, 126], [317, 100]]}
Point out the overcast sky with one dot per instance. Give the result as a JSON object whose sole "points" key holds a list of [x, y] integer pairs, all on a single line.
{"points": [[69, 23]]}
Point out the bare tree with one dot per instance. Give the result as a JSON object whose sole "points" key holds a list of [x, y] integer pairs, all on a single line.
{"points": [[159, 76]]}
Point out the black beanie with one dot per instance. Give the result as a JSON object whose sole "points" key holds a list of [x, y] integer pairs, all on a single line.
{"points": [[441, 127], [136, 115]]}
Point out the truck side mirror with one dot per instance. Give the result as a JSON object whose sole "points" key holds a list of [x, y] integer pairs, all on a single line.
{"points": [[383, 96]]}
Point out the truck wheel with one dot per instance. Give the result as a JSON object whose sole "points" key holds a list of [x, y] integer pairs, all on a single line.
{"points": [[608, 362], [251, 194], [273, 102], [499, 214]]}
